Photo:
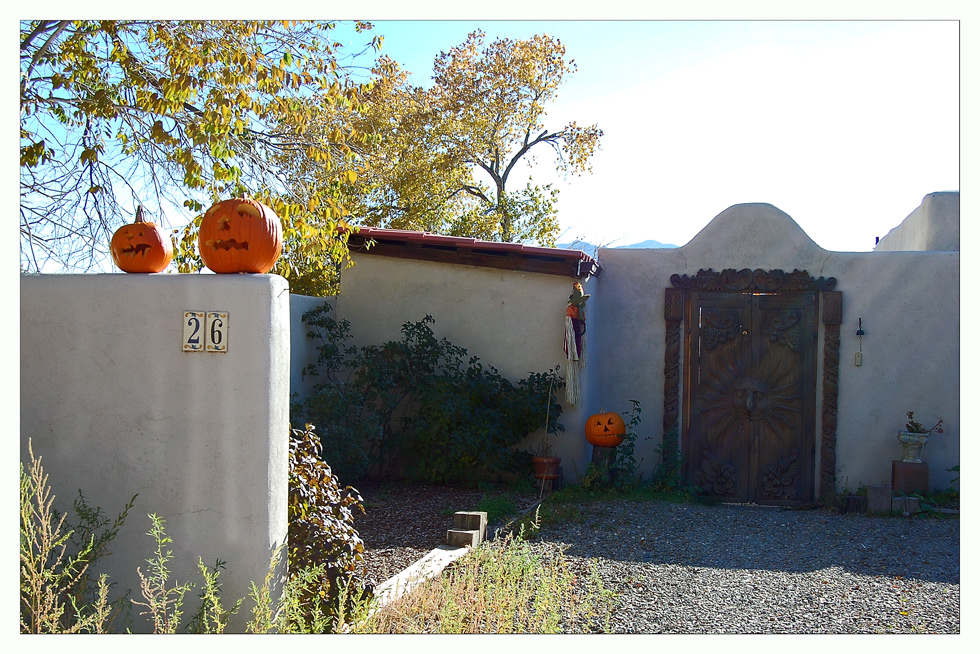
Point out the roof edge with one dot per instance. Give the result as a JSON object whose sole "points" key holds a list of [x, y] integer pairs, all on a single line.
{"points": [[426, 246]]}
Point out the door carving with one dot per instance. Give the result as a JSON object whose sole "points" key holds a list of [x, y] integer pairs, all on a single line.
{"points": [[749, 383]]}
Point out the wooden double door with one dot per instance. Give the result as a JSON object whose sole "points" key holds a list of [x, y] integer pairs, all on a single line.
{"points": [[749, 407]]}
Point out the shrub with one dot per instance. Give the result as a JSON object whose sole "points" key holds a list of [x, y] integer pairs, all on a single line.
{"points": [[340, 406], [321, 519], [420, 406], [57, 592]]}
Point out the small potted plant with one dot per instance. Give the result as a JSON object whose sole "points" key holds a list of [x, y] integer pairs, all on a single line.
{"points": [[914, 438], [544, 459]]}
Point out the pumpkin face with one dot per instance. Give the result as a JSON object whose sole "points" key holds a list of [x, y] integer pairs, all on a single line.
{"points": [[240, 236], [141, 247], [605, 429]]}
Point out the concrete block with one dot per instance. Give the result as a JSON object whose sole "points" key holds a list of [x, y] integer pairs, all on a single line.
{"points": [[879, 499], [463, 538], [912, 505], [471, 520], [898, 505]]}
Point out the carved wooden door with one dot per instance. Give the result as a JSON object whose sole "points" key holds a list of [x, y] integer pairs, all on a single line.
{"points": [[750, 384]]}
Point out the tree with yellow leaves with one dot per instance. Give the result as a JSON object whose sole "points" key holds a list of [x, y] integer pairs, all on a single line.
{"points": [[445, 156], [121, 113]]}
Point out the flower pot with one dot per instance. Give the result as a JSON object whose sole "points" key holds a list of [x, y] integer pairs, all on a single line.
{"points": [[912, 444], [546, 467]]}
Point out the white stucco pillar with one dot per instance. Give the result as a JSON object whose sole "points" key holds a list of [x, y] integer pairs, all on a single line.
{"points": [[116, 407]]}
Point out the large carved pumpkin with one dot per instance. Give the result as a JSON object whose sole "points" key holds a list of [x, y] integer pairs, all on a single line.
{"points": [[240, 236], [605, 429], [141, 247]]}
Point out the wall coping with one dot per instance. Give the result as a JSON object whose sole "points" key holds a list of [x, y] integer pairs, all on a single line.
{"points": [[427, 246]]}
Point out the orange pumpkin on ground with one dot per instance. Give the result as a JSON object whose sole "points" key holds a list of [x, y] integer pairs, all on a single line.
{"points": [[605, 429], [241, 235], [141, 247]]}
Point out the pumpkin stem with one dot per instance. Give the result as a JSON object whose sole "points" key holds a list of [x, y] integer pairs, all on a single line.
{"points": [[139, 214]]}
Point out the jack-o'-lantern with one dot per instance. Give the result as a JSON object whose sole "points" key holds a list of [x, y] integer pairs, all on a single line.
{"points": [[241, 235], [141, 247], [605, 429]]}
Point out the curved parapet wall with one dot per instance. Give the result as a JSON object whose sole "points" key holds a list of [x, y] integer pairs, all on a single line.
{"points": [[934, 225], [743, 231]]}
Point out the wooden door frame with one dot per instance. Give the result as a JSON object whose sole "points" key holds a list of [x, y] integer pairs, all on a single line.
{"points": [[677, 301]]}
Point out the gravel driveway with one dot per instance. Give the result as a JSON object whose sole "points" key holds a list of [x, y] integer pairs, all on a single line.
{"points": [[693, 569]]}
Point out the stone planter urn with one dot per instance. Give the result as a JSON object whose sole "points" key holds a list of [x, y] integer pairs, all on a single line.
{"points": [[912, 444]]}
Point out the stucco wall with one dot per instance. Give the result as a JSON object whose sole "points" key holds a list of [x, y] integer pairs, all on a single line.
{"points": [[511, 320], [302, 349], [908, 302], [115, 408], [934, 225]]}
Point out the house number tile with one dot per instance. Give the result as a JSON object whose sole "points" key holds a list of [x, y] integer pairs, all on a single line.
{"points": [[217, 332], [205, 331], [193, 331]]}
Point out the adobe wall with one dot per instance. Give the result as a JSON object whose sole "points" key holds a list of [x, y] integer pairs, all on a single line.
{"points": [[115, 408], [934, 226], [302, 350], [909, 306], [512, 320]]}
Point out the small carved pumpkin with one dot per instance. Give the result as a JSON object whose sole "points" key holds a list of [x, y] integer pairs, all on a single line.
{"points": [[605, 429], [240, 236], [141, 247]]}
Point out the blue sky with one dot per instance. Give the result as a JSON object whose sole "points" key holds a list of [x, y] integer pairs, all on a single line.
{"points": [[844, 125]]}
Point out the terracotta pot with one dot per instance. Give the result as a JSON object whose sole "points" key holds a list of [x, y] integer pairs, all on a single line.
{"points": [[546, 467]]}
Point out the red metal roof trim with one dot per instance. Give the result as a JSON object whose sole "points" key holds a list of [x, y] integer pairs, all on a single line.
{"points": [[471, 251]]}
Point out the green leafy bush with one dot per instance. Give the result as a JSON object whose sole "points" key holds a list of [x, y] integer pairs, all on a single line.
{"points": [[343, 404], [420, 407], [321, 518]]}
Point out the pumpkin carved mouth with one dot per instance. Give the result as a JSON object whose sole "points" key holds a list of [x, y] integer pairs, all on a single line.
{"points": [[133, 250], [230, 244]]}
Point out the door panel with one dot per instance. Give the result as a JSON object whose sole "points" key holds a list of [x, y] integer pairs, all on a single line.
{"points": [[749, 414]]}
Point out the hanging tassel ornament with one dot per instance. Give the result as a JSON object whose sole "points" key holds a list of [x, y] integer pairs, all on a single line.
{"points": [[575, 343]]}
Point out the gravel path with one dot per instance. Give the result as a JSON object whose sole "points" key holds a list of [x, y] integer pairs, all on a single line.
{"points": [[693, 569]]}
